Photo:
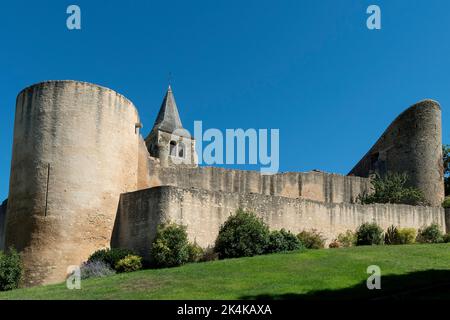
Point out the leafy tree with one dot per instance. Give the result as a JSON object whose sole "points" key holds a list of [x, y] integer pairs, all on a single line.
{"points": [[446, 156], [392, 188]]}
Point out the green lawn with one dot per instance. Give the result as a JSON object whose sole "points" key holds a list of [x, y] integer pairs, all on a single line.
{"points": [[419, 271]]}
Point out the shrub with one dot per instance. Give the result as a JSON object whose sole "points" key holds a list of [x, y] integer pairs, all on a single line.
{"points": [[446, 203], [11, 270], [446, 237], [95, 269], [406, 235], [311, 239], [347, 239], [209, 255], [430, 234], [242, 235], [392, 188], [369, 234], [170, 247], [129, 264], [282, 240], [334, 244], [391, 236], [110, 256], [195, 252]]}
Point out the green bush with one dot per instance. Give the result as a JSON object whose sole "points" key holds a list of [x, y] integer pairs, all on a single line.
{"points": [[347, 239], [11, 270], [406, 235], [129, 264], [242, 235], [170, 247], [430, 234], [392, 188], [391, 236], [196, 253], [311, 239], [282, 240], [369, 234], [446, 237], [110, 256], [446, 203]]}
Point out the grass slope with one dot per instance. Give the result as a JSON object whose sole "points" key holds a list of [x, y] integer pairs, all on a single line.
{"points": [[314, 274]]}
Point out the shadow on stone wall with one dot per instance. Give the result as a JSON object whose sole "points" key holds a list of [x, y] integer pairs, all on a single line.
{"points": [[421, 285]]}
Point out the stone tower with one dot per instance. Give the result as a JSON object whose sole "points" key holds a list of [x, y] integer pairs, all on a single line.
{"points": [[169, 141], [411, 144], [75, 151]]}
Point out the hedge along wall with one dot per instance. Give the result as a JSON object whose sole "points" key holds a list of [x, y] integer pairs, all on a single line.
{"points": [[205, 211]]}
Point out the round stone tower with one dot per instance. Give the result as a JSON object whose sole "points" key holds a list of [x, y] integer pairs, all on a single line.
{"points": [[75, 151], [411, 144]]}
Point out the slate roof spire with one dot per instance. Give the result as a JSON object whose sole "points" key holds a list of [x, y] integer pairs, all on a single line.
{"points": [[168, 118]]}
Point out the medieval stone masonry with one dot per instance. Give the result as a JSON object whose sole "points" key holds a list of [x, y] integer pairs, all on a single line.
{"points": [[83, 178]]}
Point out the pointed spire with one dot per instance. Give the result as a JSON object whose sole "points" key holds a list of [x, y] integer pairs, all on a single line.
{"points": [[168, 118]]}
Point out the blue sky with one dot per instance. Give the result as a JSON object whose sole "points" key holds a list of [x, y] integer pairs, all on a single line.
{"points": [[310, 68]]}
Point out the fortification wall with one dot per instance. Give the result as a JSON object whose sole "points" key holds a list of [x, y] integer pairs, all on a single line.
{"points": [[318, 186], [411, 144], [75, 151], [204, 211], [3, 207]]}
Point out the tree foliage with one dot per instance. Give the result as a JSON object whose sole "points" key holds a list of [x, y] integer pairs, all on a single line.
{"points": [[446, 156], [392, 188]]}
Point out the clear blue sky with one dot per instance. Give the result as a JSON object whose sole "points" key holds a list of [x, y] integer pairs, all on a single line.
{"points": [[310, 68]]}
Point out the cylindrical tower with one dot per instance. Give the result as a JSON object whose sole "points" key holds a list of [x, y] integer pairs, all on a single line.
{"points": [[411, 144], [75, 151]]}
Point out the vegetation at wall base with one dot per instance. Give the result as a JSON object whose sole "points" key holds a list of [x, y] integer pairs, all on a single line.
{"points": [[430, 234], [11, 270], [130, 263], [282, 240], [242, 235], [406, 235], [369, 234], [312, 239], [346, 239], [446, 237], [110, 256], [391, 235], [171, 247], [95, 269], [410, 271]]}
